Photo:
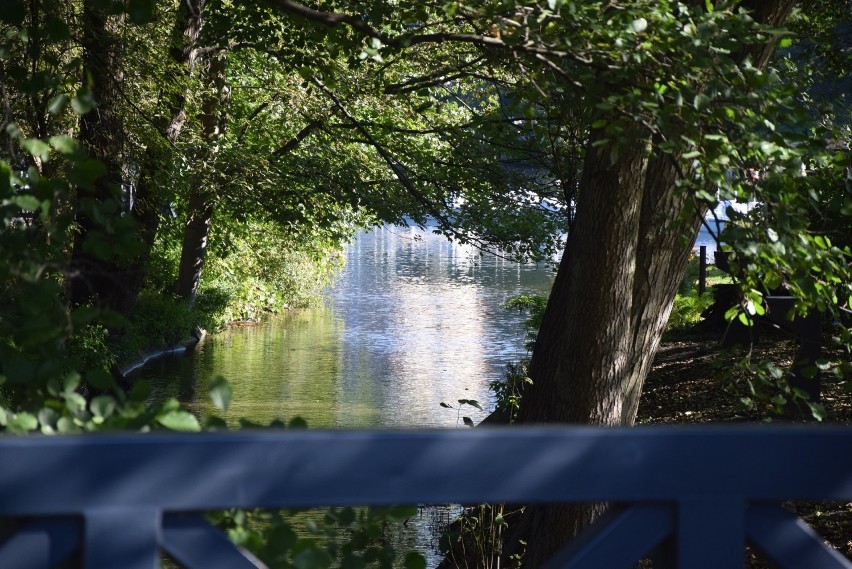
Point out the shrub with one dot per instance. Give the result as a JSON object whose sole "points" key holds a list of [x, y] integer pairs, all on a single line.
{"points": [[159, 321]]}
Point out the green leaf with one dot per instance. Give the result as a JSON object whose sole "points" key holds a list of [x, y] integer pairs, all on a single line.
{"points": [[297, 423], [22, 422], [47, 417], [312, 558], [58, 104], [215, 423], [83, 102], [179, 421], [701, 102], [247, 424], [220, 392], [401, 512], [27, 202], [817, 411], [468, 421], [639, 25], [731, 313], [75, 402], [14, 131], [448, 406], [141, 11], [346, 516], [169, 405], [85, 173], [102, 406], [65, 145], [13, 12], [6, 177], [57, 29], [71, 382], [37, 148], [66, 425]]}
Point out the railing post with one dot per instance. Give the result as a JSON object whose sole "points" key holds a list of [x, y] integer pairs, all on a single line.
{"points": [[41, 544], [122, 538], [710, 533]]}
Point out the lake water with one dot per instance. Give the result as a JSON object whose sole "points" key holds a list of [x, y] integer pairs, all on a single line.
{"points": [[412, 321]]}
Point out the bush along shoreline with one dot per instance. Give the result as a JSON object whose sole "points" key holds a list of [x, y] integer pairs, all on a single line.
{"points": [[250, 280]]}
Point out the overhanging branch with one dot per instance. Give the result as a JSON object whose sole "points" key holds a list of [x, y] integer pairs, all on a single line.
{"points": [[334, 19]]}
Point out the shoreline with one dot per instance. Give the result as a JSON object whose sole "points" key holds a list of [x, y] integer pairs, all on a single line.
{"points": [[198, 335]]}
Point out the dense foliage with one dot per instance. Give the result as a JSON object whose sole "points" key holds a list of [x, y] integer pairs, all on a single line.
{"points": [[169, 163], [146, 144]]}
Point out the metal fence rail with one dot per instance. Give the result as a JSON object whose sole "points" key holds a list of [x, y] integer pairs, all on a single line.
{"points": [[708, 491]]}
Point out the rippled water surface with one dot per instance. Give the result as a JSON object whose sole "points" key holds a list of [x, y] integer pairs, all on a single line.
{"points": [[412, 320]]}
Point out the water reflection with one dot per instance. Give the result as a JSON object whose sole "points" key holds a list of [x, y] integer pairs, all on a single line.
{"points": [[423, 320], [412, 320]]}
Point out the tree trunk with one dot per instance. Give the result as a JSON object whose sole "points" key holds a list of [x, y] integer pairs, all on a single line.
{"points": [[593, 292], [201, 199], [99, 278], [112, 283], [184, 52], [156, 162], [194, 245], [609, 306]]}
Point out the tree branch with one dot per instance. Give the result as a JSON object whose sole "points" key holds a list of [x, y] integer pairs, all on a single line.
{"points": [[394, 167], [300, 136], [334, 19]]}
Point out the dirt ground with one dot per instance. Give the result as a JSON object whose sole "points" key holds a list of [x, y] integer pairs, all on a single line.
{"points": [[684, 388]]}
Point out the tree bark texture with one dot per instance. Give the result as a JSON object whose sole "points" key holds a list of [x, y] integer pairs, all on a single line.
{"points": [[184, 52], [200, 206], [609, 305]]}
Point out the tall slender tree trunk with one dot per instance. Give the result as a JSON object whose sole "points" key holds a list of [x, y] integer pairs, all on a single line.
{"points": [[156, 162], [200, 206], [194, 245], [115, 283], [609, 305]]}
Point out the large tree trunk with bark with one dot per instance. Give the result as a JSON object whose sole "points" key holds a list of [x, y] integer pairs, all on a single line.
{"points": [[609, 305], [607, 311], [200, 206]]}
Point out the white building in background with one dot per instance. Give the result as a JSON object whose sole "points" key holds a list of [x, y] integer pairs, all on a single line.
{"points": [[714, 223]]}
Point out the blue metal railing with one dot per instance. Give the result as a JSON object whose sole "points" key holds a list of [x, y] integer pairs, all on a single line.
{"points": [[705, 492]]}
